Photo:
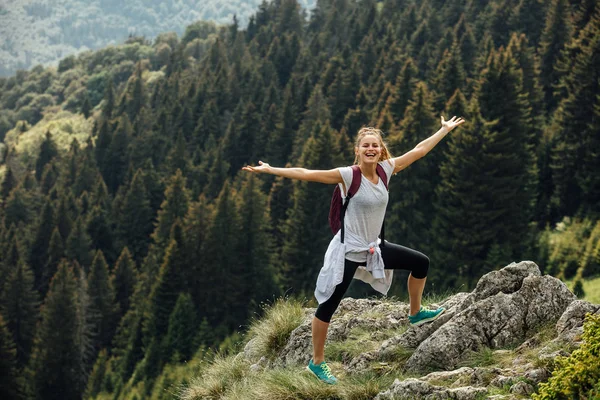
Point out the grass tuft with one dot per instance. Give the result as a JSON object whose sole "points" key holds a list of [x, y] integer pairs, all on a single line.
{"points": [[217, 379], [272, 332]]}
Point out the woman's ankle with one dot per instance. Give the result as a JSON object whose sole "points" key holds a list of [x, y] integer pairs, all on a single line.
{"points": [[316, 361]]}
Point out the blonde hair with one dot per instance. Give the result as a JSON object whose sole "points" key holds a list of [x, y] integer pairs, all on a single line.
{"points": [[378, 133]]}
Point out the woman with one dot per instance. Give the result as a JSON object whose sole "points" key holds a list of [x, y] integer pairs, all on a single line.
{"points": [[360, 255]]}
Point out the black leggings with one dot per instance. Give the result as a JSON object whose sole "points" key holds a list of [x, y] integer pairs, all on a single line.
{"points": [[394, 257]]}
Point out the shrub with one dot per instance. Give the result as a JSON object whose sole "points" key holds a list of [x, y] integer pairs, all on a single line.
{"points": [[577, 376]]}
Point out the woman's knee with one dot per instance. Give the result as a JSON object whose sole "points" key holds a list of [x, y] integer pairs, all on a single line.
{"points": [[422, 268]]}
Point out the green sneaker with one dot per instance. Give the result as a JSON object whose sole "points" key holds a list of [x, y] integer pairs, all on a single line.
{"points": [[322, 372], [424, 315]]}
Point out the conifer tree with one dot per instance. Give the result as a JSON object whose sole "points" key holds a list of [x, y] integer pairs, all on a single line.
{"points": [[19, 306], [135, 218], [78, 245], [242, 138], [99, 229], [109, 99], [175, 206], [528, 17], [123, 280], [103, 309], [307, 228], [38, 253], [217, 174], [11, 385], [165, 291], [103, 139], [86, 175], [223, 235], [48, 151], [523, 54], [8, 183], [501, 98], [317, 112], [450, 76], [196, 225], [465, 186], [182, 330], [403, 90], [257, 272], [64, 222], [576, 140], [556, 34], [411, 197], [18, 208], [55, 359], [85, 334], [95, 381], [116, 158], [49, 177], [86, 106], [56, 252]]}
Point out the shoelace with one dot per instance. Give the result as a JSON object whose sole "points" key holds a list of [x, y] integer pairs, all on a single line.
{"points": [[327, 371]]}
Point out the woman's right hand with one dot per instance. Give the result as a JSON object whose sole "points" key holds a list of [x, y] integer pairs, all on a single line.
{"points": [[261, 168]]}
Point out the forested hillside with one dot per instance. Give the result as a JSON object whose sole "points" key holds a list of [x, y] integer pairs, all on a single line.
{"points": [[130, 237], [44, 31]]}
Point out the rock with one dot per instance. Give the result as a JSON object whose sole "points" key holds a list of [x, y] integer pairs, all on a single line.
{"points": [[537, 375], [416, 389], [497, 321], [506, 280], [522, 388], [464, 376], [574, 315]]}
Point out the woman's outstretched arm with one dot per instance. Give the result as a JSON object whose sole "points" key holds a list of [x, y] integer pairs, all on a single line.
{"points": [[426, 145], [331, 176]]}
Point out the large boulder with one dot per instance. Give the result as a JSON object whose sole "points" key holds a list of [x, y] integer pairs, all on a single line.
{"points": [[499, 320]]}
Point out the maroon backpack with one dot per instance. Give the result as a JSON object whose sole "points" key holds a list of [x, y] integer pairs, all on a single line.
{"points": [[337, 210]]}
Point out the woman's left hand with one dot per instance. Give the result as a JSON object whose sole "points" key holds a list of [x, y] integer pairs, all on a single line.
{"points": [[453, 123]]}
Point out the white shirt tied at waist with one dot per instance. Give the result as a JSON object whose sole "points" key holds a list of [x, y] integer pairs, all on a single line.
{"points": [[332, 272]]}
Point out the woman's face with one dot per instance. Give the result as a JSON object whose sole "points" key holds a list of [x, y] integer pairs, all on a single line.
{"points": [[368, 150]]}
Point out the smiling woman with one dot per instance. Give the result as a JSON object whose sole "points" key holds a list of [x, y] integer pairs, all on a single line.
{"points": [[359, 253]]}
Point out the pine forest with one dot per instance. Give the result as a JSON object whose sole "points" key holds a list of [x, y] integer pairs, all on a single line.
{"points": [[131, 240]]}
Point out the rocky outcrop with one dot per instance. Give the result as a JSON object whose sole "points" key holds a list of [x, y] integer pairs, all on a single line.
{"points": [[506, 309], [496, 321]]}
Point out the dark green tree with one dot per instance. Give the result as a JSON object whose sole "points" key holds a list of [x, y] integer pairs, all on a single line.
{"points": [[19, 305], [116, 159], [48, 151], [574, 130], [556, 34], [78, 245], [134, 224], [411, 198], [103, 308], [123, 280], [56, 252], [175, 206], [223, 235], [98, 227], [55, 361], [182, 330], [11, 385], [501, 98], [306, 228], [38, 253]]}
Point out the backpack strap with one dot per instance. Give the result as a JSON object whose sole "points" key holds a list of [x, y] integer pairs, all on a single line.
{"points": [[351, 191], [382, 175]]}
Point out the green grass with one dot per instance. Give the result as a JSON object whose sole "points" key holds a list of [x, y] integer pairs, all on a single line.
{"points": [[272, 331], [230, 379], [591, 288]]}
